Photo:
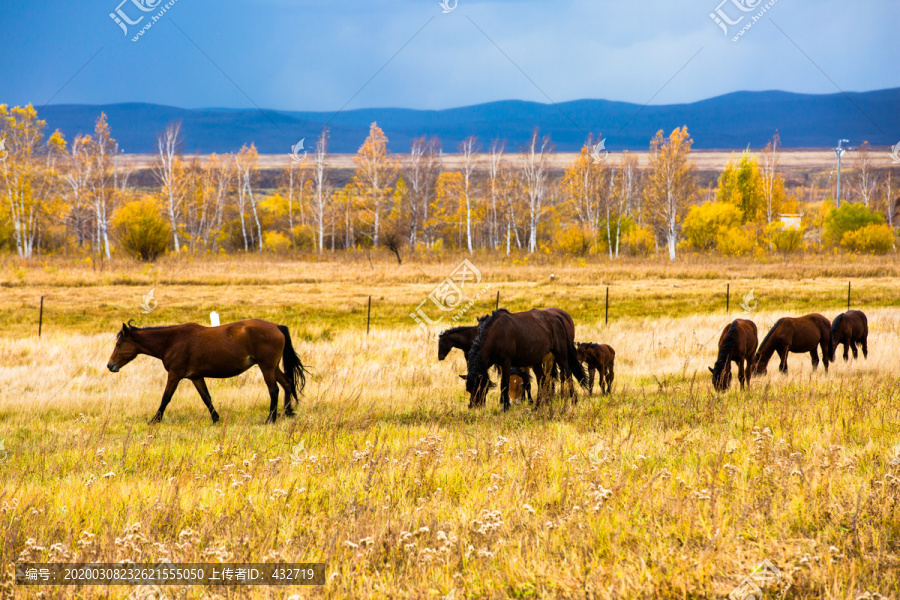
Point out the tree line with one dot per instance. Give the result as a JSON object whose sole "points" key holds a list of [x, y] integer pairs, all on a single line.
{"points": [[64, 196]]}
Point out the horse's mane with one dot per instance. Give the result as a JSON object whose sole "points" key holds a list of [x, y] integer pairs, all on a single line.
{"points": [[148, 328], [771, 331], [728, 345], [836, 325], [459, 329], [477, 366]]}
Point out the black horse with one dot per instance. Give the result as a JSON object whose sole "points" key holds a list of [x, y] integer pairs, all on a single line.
{"points": [[505, 339], [458, 337], [850, 328]]}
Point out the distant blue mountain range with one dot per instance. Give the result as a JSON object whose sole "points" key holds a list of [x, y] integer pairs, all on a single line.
{"points": [[732, 121]]}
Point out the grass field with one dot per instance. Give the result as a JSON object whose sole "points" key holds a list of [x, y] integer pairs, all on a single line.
{"points": [[664, 489]]}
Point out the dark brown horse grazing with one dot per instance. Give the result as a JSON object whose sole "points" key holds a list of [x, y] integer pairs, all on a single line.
{"points": [[458, 337], [738, 344], [850, 328], [798, 335], [195, 352], [599, 357], [505, 339]]}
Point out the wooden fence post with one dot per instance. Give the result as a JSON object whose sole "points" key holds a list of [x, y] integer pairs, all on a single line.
{"points": [[606, 320]]}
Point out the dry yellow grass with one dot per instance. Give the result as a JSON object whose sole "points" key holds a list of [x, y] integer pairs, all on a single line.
{"points": [[664, 489]]}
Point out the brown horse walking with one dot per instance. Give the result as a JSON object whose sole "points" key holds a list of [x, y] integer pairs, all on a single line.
{"points": [[738, 344], [195, 352], [599, 357], [798, 335], [522, 339], [850, 328]]}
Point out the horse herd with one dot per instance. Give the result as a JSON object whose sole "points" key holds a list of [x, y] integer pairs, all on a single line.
{"points": [[541, 341]]}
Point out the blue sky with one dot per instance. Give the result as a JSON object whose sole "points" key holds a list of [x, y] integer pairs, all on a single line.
{"points": [[323, 54]]}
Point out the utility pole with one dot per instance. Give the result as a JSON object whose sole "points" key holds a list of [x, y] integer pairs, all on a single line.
{"points": [[839, 152]]}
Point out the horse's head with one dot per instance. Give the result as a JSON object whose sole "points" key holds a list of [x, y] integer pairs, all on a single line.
{"points": [[721, 379], [125, 351], [581, 351], [477, 382], [444, 346], [757, 366]]}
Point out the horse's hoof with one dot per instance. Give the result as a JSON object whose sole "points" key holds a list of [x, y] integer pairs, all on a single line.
{"points": [[215, 417], [290, 414]]}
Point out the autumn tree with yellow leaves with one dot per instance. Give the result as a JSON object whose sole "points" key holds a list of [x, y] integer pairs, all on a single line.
{"points": [[376, 172], [29, 172], [670, 183]]}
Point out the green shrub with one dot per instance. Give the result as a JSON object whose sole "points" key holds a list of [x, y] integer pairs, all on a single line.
{"points": [[705, 222], [625, 227], [849, 217], [141, 229], [785, 239], [871, 239]]}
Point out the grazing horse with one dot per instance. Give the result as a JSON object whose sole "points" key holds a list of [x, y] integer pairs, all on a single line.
{"points": [[737, 343], [599, 357], [458, 337], [505, 339], [850, 328], [798, 335], [195, 352]]}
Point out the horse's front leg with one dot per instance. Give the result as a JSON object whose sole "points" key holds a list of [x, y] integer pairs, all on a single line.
{"points": [[200, 384], [783, 355], [814, 355], [171, 384], [741, 374], [746, 370], [855, 350], [504, 385], [540, 379], [846, 352], [591, 372]]}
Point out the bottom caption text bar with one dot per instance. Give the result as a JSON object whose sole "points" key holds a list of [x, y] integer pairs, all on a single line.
{"points": [[170, 574]]}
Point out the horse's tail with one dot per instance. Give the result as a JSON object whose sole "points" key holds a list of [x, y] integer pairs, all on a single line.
{"points": [[293, 368], [835, 335]]}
